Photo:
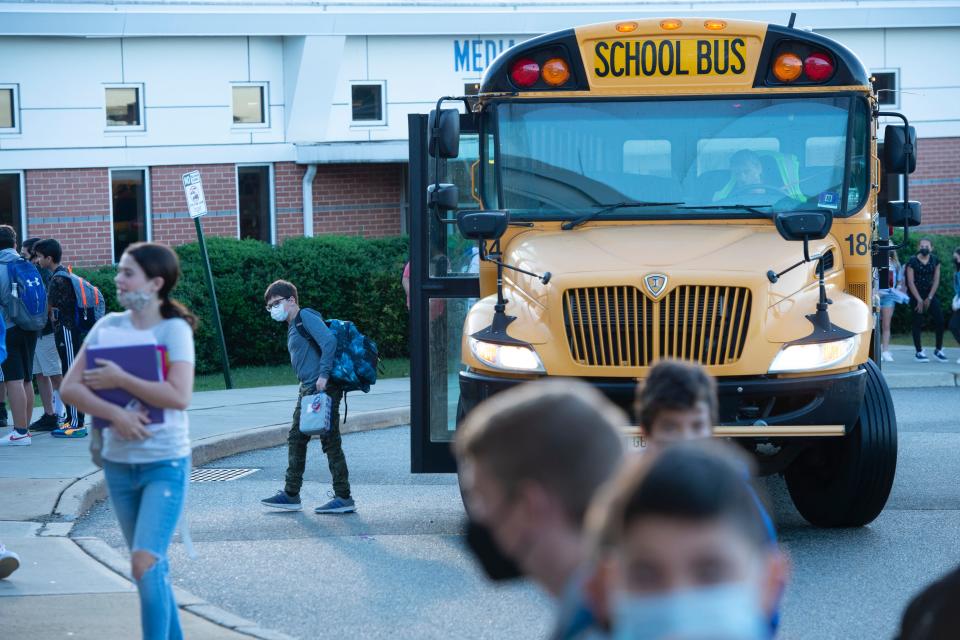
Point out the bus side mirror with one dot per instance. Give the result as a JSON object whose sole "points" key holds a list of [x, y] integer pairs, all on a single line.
{"points": [[899, 149], [444, 132], [812, 225], [903, 214], [445, 197], [482, 225]]}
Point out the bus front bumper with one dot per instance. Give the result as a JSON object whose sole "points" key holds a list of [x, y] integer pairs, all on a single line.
{"points": [[750, 407]]}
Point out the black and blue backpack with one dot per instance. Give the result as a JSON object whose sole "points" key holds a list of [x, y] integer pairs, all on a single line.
{"points": [[27, 306], [356, 359]]}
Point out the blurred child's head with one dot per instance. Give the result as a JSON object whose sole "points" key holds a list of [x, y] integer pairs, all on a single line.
{"points": [[530, 459], [677, 401], [681, 548]]}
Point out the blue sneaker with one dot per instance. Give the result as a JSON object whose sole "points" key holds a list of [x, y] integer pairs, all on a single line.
{"points": [[283, 501], [337, 505]]}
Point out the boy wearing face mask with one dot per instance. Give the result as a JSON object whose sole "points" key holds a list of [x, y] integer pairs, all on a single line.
{"points": [[682, 552], [312, 360], [530, 459], [69, 338], [923, 278]]}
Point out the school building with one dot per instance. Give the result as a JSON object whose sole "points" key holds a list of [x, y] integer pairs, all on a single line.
{"points": [[294, 112]]}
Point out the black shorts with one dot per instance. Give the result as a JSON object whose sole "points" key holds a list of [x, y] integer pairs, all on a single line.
{"points": [[21, 347]]}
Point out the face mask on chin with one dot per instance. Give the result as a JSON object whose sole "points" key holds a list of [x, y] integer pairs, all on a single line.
{"points": [[723, 612], [278, 313], [135, 300]]}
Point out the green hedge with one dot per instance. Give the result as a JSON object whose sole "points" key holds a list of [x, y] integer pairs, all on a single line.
{"points": [[943, 247], [343, 277]]}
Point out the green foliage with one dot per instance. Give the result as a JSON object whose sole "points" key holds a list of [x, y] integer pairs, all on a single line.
{"points": [[349, 278], [943, 247]]}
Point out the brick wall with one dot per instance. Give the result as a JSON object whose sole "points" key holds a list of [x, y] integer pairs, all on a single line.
{"points": [[358, 199], [171, 221], [288, 191], [73, 206], [936, 184]]}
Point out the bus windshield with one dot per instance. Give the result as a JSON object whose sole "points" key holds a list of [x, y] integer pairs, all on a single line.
{"points": [[731, 157]]}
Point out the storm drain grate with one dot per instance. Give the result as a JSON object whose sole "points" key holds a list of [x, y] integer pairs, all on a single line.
{"points": [[219, 475]]}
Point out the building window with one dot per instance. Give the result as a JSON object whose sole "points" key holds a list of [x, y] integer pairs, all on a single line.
{"points": [[130, 220], [886, 83], [9, 109], [367, 102], [254, 196], [124, 106], [11, 201], [249, 104]]}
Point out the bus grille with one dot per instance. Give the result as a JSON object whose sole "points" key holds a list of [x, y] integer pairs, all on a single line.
{"points": [[621, 327]]}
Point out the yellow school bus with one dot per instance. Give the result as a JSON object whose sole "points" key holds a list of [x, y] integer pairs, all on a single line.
{"points": [[693, 188]]}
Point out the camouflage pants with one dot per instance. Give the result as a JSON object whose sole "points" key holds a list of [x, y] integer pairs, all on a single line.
{"points": [[331, 444]]}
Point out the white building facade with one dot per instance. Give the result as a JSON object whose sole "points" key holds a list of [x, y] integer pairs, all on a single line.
{"points": [[296, 113]]}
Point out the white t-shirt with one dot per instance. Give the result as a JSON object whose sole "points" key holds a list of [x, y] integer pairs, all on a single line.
{"points": [[170, 439]]}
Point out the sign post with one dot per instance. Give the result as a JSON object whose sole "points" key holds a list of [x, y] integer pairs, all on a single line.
{"points": [[193, 188]]}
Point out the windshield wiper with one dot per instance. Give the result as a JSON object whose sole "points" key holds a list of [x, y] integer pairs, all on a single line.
{"points": [[606, 208], [755, 208]]}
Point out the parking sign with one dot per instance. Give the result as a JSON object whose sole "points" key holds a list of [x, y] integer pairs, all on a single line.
{"points": [[193, 188]]}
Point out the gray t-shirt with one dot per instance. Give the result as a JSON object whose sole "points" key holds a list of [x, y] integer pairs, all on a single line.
{"points": [[170, 438], [308, 363]]}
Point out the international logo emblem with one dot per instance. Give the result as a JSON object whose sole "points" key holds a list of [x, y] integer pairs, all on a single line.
{"points": [[655, 283]]}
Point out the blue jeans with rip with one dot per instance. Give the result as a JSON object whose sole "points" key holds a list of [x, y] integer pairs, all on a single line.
{"points": [[148, 499]]}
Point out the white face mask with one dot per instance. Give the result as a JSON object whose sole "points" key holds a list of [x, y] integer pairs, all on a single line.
{"points": [[135, 300], [278, 312], [723, 612]]}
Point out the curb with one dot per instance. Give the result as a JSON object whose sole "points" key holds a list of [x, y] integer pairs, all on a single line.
{"points": [[113, 560], [922, 380], [82, 494]]}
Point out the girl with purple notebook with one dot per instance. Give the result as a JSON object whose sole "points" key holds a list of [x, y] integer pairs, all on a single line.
{"points": [[146, 463]]}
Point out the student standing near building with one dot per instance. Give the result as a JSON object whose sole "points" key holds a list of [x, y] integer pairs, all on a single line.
{"points": [[312, 360], [890, 296], [68, 336], [21, 344], [46, 361], [923, 278], [147, 466]]}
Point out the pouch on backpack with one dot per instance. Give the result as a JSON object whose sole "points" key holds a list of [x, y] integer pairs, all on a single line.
{"points": [[27, 307], [315, 414]]}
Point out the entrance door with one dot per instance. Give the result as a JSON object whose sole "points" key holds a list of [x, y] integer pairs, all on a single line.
{"points": [[444, 283]]}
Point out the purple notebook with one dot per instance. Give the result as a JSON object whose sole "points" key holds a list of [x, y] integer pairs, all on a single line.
{"points": [[140, 360]]}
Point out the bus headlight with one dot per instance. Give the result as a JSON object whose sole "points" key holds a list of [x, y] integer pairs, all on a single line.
{"points": [[810, 357], [509, 357]]}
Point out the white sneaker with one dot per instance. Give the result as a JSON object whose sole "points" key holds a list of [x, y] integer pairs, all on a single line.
{"points": [[940, 356], [886, 356], [14, 439], [921, 357], [9, 562]]}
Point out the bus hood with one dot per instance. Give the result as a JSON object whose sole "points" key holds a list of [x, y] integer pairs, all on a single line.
{"points": [[685, 253]]}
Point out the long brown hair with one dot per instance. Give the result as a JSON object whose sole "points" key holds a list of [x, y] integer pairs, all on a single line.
{"points": [[159, 261]]}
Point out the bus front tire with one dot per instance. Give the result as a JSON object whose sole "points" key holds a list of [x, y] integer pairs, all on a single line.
{"points": [[845, 482]]}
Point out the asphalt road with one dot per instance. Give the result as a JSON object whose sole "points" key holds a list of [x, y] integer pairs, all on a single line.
{"points": [[397, 568]]}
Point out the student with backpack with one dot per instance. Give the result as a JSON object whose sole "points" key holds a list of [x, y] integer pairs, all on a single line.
{"points": [[76, 306], [46, 362], [312, 356], [23, 302]]}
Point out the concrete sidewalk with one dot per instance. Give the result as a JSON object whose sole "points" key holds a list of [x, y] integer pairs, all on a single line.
{"points": [[60, 590]]}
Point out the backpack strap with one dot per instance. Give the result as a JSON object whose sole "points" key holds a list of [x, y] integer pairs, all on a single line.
{"points": [[302, 330]]}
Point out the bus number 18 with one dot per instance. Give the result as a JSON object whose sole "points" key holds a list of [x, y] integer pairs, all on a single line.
{"points": [[858, 246]]}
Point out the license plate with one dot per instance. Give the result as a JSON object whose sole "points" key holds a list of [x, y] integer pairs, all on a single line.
{"points": [[681, 58]]}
